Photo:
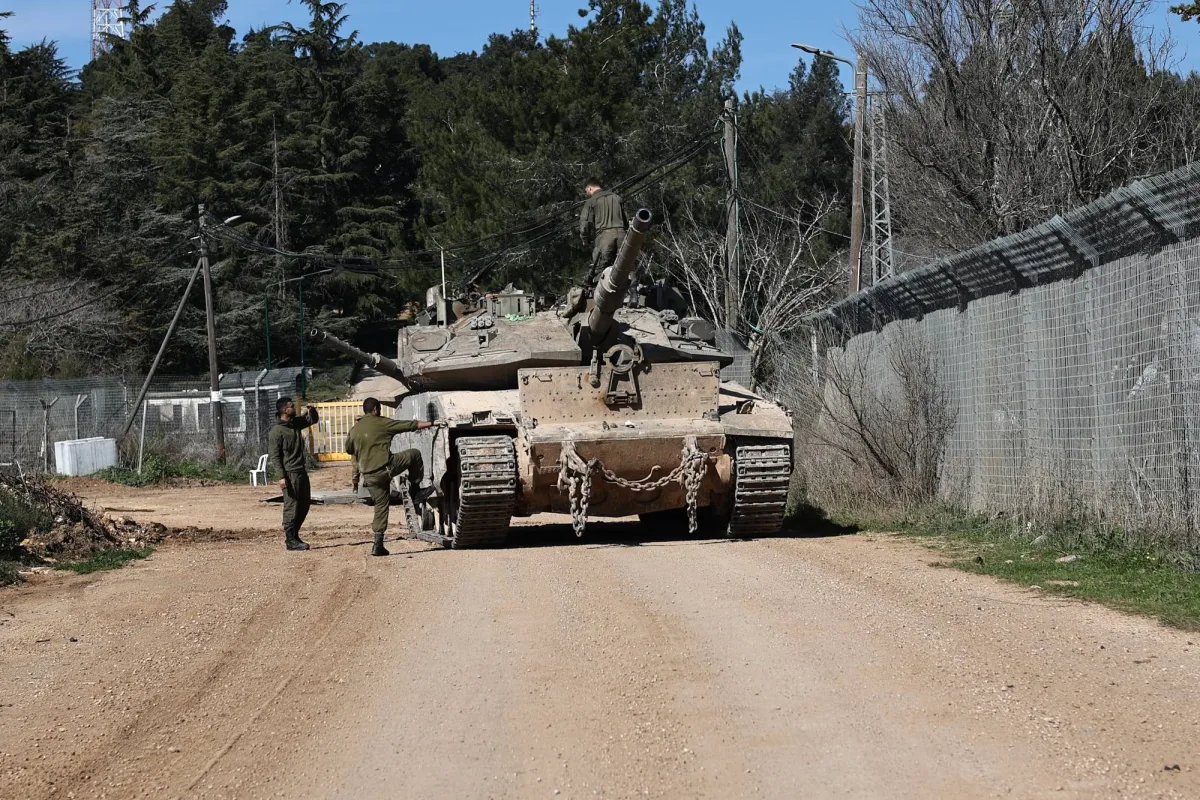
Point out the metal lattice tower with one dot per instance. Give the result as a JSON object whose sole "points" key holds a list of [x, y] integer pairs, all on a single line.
{"points": [[533, 18], [108, 17], [882, 264]]}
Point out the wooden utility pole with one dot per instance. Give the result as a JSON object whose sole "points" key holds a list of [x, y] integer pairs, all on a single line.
{"points": [[856, 199], [162, 348], [733, 278], [214, 377], [278, 198]]}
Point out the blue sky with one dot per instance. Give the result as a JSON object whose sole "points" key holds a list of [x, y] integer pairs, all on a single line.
{"points": [[452, 26]]}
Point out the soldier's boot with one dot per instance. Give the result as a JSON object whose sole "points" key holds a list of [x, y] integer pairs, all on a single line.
{"points": [[422, 495], [379, 549], [292, 540]]}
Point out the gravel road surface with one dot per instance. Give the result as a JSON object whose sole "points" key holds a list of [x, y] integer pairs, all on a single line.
{"points": [[622, 665]]}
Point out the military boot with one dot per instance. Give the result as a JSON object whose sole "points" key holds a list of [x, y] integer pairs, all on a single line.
{"points": [[379, 549], [292, 540], [424, 494]]}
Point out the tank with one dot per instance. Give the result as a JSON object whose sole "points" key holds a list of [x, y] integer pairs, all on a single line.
{"points": [[606, 407]]}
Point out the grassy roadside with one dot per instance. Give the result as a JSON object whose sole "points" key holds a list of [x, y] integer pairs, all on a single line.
{"points": [[157, 470], [1065, 560], [106, 559]]}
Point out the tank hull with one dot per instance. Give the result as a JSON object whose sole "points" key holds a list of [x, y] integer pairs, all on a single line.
{"points": [[631, 452]]}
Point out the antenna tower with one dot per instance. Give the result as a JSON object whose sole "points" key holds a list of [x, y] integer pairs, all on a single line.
{"points": [[882, 263], [533, 18], [108, 17]]}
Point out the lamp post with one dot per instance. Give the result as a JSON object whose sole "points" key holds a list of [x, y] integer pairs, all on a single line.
{"points": [[860, 112]]}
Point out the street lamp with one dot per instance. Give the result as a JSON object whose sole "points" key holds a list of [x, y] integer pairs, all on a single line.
{"points": [[856, 209]]}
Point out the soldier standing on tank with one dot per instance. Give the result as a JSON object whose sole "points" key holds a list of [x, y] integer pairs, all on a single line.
{"points": [[285, 445], [369, 443], [603, 214]]}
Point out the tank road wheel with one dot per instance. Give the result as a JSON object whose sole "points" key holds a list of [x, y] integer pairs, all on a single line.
{"points": [[762, 474], [487, 488]]}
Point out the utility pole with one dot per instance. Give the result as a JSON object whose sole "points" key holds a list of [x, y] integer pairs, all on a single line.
{"points": [[278, 221], [214, 377], [856, 200], [733, 278], [162, 348]]}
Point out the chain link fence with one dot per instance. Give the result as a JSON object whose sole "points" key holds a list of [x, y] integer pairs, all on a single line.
{"points": [[1054, 374], [174, 421]]}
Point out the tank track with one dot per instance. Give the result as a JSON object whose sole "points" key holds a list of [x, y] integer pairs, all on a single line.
{"points": [[417, 525], [487, 489], [763, 472]]}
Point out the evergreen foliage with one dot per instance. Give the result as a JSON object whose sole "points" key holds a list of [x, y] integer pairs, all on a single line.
{"points": [[381, 152]]}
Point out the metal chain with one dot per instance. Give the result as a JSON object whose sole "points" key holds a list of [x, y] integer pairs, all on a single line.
{"points": [[575, 476]]}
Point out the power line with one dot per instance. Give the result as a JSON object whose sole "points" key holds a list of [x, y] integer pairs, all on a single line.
{"points": [[549, 225], [92, 301]]}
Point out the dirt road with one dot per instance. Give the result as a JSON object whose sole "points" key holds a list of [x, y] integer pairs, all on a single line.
{"points": [[620, 666]]}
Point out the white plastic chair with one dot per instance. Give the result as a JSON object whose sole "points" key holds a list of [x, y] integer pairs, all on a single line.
{"points": [[260, 470]]}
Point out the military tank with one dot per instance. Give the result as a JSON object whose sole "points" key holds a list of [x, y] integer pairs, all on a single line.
{"points": [[604, 408]]}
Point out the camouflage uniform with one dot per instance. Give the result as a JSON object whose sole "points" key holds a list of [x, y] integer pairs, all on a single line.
{"points": [[603, 213]]}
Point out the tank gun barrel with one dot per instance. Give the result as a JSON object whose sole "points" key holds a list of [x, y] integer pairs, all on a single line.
{"points": [[614, 281], [373, 360]]}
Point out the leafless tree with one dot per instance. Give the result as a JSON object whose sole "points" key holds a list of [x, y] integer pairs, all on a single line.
{"points": [[1005, 112], [783, 277], [49, 321]]}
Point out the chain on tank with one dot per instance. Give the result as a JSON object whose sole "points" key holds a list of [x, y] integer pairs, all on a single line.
{"points": [[575, 476]]}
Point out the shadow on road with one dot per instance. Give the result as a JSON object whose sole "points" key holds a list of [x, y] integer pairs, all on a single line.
{"points": [[806, 522]]}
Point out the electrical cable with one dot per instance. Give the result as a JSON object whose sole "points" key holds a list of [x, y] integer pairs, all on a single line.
{"points": [[405, 261], [91, 301]]}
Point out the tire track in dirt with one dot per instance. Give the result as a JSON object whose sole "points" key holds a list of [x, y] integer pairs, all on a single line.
{"points": [[519, 673]]}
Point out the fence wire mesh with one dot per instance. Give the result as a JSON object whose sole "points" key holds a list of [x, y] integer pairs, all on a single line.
{"points": [[175, 420], [1076, 398]]}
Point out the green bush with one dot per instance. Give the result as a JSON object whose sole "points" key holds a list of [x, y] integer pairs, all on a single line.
{"points": [[156, 470], [17, 520], [8, 573]]}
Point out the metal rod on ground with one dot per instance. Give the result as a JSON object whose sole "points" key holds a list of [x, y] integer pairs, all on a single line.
{"points": [[733, 279], [214, 377], [142, 439], [161, 349]]}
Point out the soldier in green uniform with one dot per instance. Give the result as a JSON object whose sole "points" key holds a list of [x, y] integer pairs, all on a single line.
{"points": [[603, 214], [369, 443], [285, 446]]}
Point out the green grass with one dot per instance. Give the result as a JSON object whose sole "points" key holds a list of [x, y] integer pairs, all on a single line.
{"points": [[8, 573], [1111, 569], [156, 469], [106, 559], [17, 520]]}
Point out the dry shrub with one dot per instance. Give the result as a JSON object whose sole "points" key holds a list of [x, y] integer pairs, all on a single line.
{"points": [[884, 418]]}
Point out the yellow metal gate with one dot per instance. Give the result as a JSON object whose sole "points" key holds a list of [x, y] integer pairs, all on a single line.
{"points": [[327, 438]]}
